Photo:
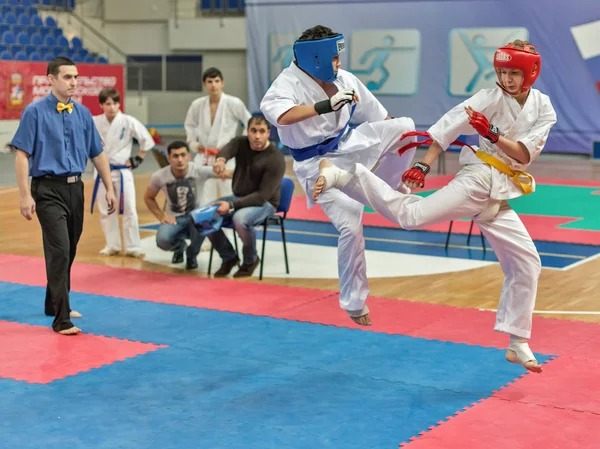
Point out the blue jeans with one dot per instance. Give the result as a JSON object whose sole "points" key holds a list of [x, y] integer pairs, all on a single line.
{"points": [[243, 220], [172, 237]]}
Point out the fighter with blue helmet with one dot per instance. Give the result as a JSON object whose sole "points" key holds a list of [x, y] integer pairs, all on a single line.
{"points": [[314, 105]]}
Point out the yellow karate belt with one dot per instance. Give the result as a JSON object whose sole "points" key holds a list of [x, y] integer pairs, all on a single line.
{"points": [[61, 107], [521, 178]]}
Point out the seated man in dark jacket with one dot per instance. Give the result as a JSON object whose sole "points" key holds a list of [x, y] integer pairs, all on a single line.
{"points": [[259, 169]]}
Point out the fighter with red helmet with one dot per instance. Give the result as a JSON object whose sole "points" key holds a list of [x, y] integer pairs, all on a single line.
{"points": [[513, 120]]}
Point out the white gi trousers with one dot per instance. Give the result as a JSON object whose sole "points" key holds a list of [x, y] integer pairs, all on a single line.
{"points": [[346, 213], [213, 188], [110, 223], [467, 196]]}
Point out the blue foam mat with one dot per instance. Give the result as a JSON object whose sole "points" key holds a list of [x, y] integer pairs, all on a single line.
{"points": [[229, 380]]}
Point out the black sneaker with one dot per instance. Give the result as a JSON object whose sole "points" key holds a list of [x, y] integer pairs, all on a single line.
{"points": [[226, 267], [191, 264], [247, 270], [177, 258]]}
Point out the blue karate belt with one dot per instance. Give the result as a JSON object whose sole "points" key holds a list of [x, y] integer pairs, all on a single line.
{"points": [[97, 183], [331, 144], [206, 219]]}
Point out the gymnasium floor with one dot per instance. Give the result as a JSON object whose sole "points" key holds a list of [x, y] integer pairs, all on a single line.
{"points": [[176, 359]]}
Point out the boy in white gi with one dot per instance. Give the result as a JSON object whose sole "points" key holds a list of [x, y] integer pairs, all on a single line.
{"points": [[312, 103], [118, 131], [211, 122], [520, 119]]}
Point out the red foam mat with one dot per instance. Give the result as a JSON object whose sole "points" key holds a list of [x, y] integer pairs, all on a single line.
{"points": [[566, 383], [421, 320], [498, 424], [37, 354]]}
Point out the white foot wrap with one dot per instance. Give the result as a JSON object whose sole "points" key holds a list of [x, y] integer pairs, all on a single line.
{"points": [[522, 350], [334, 177]]}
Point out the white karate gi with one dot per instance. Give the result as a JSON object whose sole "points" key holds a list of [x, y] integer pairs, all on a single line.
{"points": [[199, 131], [480, 192], [374, 139], [118, 138]]}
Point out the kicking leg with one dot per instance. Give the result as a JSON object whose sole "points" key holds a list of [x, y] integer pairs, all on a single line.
{"points": [[465, 196]]}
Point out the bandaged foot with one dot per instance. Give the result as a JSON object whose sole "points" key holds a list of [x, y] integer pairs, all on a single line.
{"points": [[71, 331], [330, 176], [519, 352]]}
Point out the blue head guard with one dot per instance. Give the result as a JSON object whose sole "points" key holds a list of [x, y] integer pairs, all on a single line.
{"points": [[206, 219], [314, 57]]}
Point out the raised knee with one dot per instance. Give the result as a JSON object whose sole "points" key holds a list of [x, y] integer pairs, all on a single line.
{"points": [[163, 243]]}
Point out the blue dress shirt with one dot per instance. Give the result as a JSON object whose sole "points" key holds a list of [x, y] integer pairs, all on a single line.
{"points": [[58, 143]]}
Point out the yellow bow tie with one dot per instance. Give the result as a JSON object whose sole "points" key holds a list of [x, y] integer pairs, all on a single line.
{"points": [[61, 107]]}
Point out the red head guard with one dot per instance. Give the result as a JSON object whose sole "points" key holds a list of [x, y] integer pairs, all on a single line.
{"points": [[512, 57]]}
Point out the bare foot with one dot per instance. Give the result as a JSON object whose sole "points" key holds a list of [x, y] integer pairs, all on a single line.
{"points": [[362, 320], [530, 365], [74, 314], [321, 183], [71, 331]]}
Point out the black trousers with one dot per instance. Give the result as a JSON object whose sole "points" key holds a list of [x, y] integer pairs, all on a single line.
{"points": [[59, 207]]}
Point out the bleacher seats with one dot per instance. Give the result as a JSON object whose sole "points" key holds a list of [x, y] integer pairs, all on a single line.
{"points": [[24, 36]]}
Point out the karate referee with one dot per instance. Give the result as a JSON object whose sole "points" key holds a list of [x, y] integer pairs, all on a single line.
{"points": [[54, 140]]}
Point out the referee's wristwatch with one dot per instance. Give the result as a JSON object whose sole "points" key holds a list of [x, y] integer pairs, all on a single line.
{"points": [[231, 208]]}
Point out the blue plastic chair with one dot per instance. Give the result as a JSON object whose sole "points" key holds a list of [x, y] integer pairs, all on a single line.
{"points": [[21, 56], [6, 55], [35, 57], [102, 60], [8, 38], [76, 43], [287, 191]]}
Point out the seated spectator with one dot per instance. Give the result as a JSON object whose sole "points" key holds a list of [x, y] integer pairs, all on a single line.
{"points": [[181, 181], [259, 169]]}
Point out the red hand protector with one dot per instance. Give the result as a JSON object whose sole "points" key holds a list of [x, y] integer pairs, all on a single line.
{"points": [[416, 174], [483, 127]]}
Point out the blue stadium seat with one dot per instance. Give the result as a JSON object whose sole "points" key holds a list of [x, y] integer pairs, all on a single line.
{"points": [[36, 21], [21, 56], [62, 42], [50, 22], [16, 48], [10, 18], [13, 2], [82, 52], [89, 59], [6, 55], [76, 43], [35, 57], [5, 9], [22, 38], [45, 31], [26, 3], [57, 32], [4, 27], [18, 10], [36, 39], [49, 41], [29, 49], [3, 47], [47, 56], [58, 51], [102, 60], [8, 37]]}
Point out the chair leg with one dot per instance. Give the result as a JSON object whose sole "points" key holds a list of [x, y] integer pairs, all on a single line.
{"points": [[262, 253], [287, 265], [210, 258], [470, 232], [236, 244], [482, 240], [449, 232]]}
